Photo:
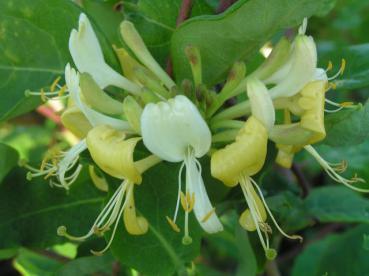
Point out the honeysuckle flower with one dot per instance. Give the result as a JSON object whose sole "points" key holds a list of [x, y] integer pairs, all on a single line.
{"points": [[238, 161], [299, 70], [113, 154], [309, 105], [176, 132], [88, 57]]}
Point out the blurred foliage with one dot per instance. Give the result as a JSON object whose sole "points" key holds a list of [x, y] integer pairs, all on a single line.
{"points": [[333, 220]]}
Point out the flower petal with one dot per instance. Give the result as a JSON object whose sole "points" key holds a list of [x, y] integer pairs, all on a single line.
{"points": [[88, 57], [95, 118], [203, 208], [261, 103], [302, 70], [170, 128]]}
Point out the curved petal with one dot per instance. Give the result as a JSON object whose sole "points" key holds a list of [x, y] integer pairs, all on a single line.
{"points": [[95, 118], [88, 57], [203, 209], [261, 103], [245, 156], [170, 128], [112, 153], [302, 70]]}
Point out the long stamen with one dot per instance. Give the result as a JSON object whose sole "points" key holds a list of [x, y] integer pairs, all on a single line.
{"points": [[271, 214], [62, 230], [340, 71], [339, 105], [99, 253], [252, 210], [333, 174]]}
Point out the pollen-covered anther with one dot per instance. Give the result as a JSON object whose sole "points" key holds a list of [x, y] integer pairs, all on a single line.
{"points": [[330, 169], [187, 201], [340, 71], [265, 227], [329, 66], [56, 92], [346, 104], [340, 167], [208, 215], [173, 224]]}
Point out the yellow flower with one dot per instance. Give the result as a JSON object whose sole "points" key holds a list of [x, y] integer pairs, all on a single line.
{"points": [[113, 153]]}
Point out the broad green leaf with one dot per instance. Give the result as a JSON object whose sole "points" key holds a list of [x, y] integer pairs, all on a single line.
{"points": [[30, 212], [85, 266], [247, 260], [155, 199], [8, 253], [235, 34], [9, 159], [336, 255], [31, 263], [337, 204], [347, 127], [357, 63], [34, 49], [289, 210]]}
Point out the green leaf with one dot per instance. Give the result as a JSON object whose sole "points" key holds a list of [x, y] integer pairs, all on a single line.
{"points": [[30, 263], [30, 212], [85, 266], [236, 34], [247, 260], [335, 255], [34, 49], [347, 127], [155, 199], [9, 159], [357, 63], [337, 204], [290, 211], [100, 11]]}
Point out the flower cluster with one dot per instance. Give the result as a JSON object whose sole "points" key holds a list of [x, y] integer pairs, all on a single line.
{"points": [[182, 123]]}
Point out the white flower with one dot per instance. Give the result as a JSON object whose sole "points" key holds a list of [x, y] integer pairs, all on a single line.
{"points": [[94, 117], [88, 57], [176, 132], [298, 71]]}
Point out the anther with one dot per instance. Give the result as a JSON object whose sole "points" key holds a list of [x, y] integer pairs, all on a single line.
{"points": [[208, 215], [329, 67], [54, 84], [173, 225]]}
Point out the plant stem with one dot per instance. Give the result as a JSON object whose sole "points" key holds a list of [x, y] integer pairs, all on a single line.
{"points": [[271, 269], [301, 180]]}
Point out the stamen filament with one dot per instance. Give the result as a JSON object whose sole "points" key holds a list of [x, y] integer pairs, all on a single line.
{"points": [[293, 237], [333, 174]]}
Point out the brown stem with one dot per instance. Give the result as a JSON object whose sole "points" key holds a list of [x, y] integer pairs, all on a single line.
{"points": [[52, 255], [271, 269], [301, 180], [224, 5], [115, 269], [184, 12]]}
